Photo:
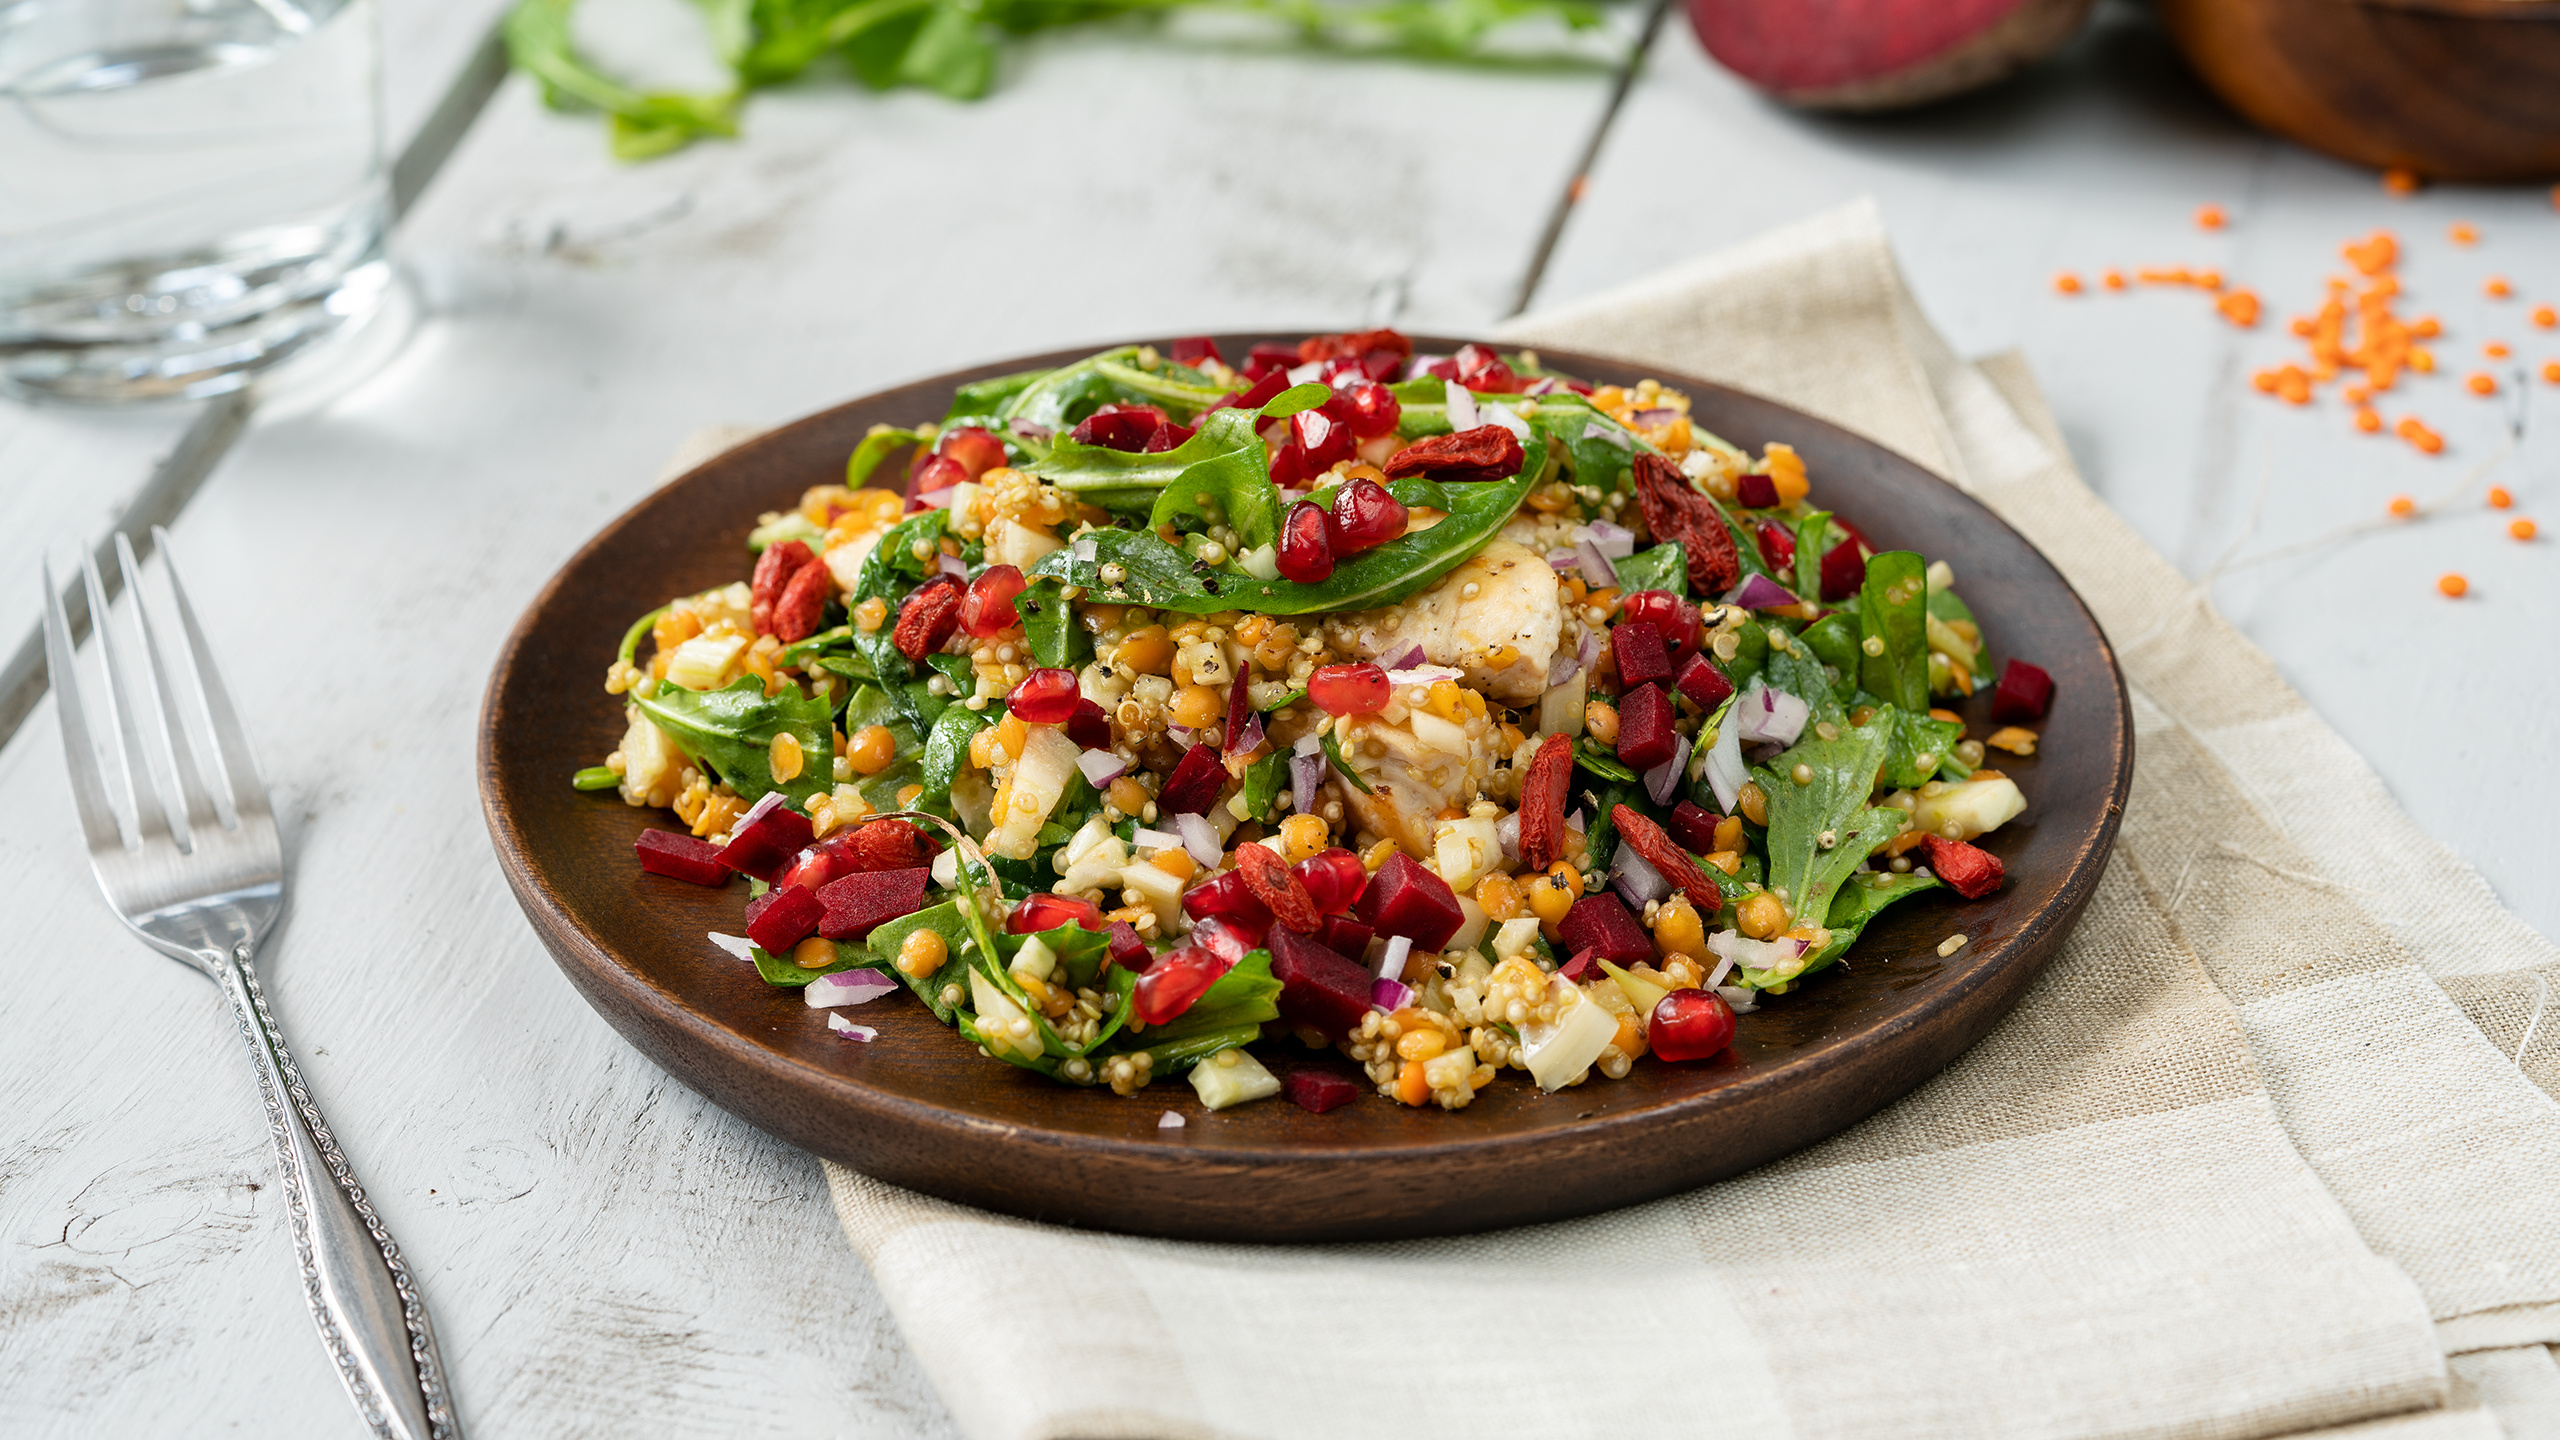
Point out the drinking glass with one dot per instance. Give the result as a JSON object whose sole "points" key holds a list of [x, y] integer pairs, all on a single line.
{"points": [[192, 192]]}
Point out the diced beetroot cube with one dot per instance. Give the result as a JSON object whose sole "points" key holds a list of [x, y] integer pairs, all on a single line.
{"points": [[1318, 1090], [769, 838], [1089, 728], [1844, 569], [780, 919], [1194, 784], [1224, 896], [1645, 736], [857, 903], [1693, 827], [1969, 870], [1704, 684], [1179, 977], [1756, 492], [1576, 968], [2025, 692], [1405, 899], [1642, 657], [1192, 349], [1319, 989], [1599, 923], [679, 856], [1168, 436], [1344, 936], [1128, 951], [1264, 360]]}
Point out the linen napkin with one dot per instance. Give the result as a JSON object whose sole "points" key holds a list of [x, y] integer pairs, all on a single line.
{"points": [[2099, 1221]]}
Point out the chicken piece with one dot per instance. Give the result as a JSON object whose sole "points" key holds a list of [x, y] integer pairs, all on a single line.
{"points": [[1494, 617], [1416, 765]]}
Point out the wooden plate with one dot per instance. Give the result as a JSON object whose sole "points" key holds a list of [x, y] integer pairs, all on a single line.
{"points": [[920, 1108]]}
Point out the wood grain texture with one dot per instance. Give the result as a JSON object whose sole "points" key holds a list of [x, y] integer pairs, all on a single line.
{"points": [[920, 1108], [2455, 89]]}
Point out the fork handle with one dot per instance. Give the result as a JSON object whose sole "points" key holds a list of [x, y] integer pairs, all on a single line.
{"points": [[371, 1319]]}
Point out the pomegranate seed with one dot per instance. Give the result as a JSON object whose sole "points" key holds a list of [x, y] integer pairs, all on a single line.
{"points": [[1258, 394], [1777, 545], [1305, 555], [1229, 940], [1360, 689], [1223, 896], [1756, 492], [1089, 728], [1374, 410], [1120, 427], [1047, 912], [1192, 349], [1333, 879], [1289, 468], [976, 451], [1174, 982], [1045, 697], [1689, 1025], [1326, 440], [988, 607], [1364, 515], [1674, 619], [1167, 436], [1128, 951], [938, 472]]}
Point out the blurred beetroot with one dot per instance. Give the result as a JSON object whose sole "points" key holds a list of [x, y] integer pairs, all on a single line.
{"points": [[1880, 54]]}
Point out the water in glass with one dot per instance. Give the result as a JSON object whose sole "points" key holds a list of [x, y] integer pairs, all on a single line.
{"points": [[191, 191]]}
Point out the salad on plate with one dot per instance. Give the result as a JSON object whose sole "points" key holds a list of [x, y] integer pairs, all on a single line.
{"points": [[1333, 720]]}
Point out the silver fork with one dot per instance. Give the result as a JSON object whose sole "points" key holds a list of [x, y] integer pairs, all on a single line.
{"points": [[185, 847]]}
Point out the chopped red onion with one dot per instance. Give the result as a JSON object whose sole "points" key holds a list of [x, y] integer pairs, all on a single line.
{"points": [[1726, 774], [1544, 385], [1575, 821], [1083, 549], [1759, 592], [1420, 366], [1507, 831], [1652, 419], [1101, 767], [1723, 968], [1031, 430], [937, 499], [1561, 560], [1180, 735], [738, 946], [1308, 744], [1562, 669], [1169, 1121], [1504, 416], [1635, 879], [1663, 780], [1614, 541], [1198, 838], [849, 1030], [952, 565], [1772, 715], [847, 987], [1411, 657], [1610, 433], [1462, 406], [1243, 741], [1156, 840], [1596, 570], [1423, 674], [1743, 999], [1750, 954], [1391, 964], [1390, 994], [1306, 776]]}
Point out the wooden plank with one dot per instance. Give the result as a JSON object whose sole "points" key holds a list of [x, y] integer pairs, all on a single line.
{"points": [[2101, 160], [599, 1244]]}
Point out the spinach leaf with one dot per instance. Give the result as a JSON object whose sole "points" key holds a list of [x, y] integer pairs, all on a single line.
{"points": [[1893, 616], [1049, 626], [1916, 736], [731, 731], [876, 447], [1664, 567], [1821, 831], [1164, 577], [1860, 900], [1750, 654], [1833, 639], [888, 573], [943, 920], [1061, 397], [785, 974], [1224, 460], [1801, 673], [1603, 763], [1342, 767], [989, 397], [946, 749], [1240, 1000], [1262, 781], [1815, 535], [1600, 835]]}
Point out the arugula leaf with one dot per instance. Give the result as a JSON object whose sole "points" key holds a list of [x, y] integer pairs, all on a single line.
{"points": [[876, 447], [949, 55], [644, 124], [1821, 831], [1600, 837], [888, 573], [1230, 482], [1664, 567], [1893, 616], [1860, 900], [731, 731], [1342, 767], [1295, 399], [1604, 764], [989, 398], [1164, 577]]}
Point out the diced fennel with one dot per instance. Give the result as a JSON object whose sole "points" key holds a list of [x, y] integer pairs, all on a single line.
{"points": [[1158, 890], [1974, 807], [1231, 1077], [996, 1014], [698, 663], [1034, 959], [1516, 938], [1560, 709], [1472, 925], [1640, 992], [1037, 780], [1464, 850], [1561, 1050]]}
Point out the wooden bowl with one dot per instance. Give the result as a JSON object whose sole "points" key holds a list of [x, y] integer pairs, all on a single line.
{"points": [[2455, 89], [920, 1108]]}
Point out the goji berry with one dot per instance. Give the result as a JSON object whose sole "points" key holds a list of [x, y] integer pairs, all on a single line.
{"points": [[1542, 796], [1675, 510], [1278, 888], [774, 569], [803, 602], [928, 617], [1665, 855], [1488, 452]]}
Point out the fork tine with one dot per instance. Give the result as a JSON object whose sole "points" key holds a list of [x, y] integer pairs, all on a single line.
{"points": [[150, 807], [240, 766], [88, 785], [166, 683]]}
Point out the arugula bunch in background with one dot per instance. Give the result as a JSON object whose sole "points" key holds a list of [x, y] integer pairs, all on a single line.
{"points": [[949, 46]]}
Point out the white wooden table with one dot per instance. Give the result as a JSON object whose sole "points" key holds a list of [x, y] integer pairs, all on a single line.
{"points": [[607, 1253]]}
